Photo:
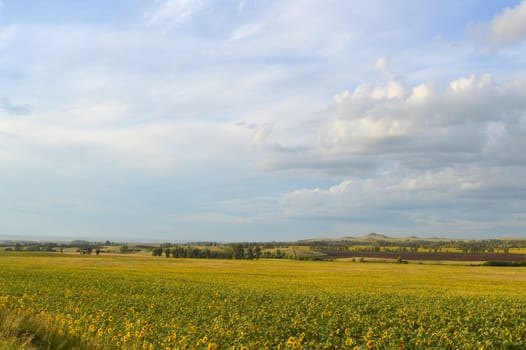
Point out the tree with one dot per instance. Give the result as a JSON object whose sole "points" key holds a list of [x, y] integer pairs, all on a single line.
{"points": [[250, 254], [238, 251]]}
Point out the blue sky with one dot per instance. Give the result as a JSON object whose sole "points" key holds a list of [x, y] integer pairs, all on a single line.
{"points": [[262, 120]]}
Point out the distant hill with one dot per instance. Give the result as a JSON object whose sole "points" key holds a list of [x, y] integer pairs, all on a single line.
{"points": [[374, 237], [371, 237], [368, 237]]}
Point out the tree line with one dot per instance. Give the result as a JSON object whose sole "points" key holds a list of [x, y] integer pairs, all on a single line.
{"points": [[464, 246], [232, 251]]}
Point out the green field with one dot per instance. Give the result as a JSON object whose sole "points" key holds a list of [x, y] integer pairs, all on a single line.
{"points": [[133, 302]]}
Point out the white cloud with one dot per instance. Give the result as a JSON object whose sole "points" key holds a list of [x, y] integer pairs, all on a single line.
{"points": [[409, 155], [509, 27], [505, 29], [388, 118], [394, 88], [429, 127], [443, 180], [174, 12], [422, 93], [317, 202], [471, 83], [295, 28]]}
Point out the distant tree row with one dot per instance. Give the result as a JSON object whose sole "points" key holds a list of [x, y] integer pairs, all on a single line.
{"points": [[80, 246], [232, 251], [89, 251], [467, 246], [506, 263], [33, 247]]}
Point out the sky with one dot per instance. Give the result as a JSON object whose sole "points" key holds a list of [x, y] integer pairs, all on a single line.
{"points": [[232, 120]]}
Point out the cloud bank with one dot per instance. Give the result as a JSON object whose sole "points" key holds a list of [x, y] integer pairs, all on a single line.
{"points": [[412, 152]]}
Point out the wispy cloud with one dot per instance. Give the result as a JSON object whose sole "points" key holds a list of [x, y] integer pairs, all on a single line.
{"points": [[174, 12]]}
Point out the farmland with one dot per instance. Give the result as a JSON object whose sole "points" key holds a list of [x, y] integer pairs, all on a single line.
{"points": [[127, 302]]}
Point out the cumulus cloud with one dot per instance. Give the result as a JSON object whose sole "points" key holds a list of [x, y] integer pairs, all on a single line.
{"points": [[403, 149], [507, 28], [375, 127], [392, 117]]}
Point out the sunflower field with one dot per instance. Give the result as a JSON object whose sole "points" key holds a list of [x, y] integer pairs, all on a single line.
{"points": [[119, 302]]}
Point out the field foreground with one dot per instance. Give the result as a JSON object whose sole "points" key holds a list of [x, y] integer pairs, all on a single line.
{"points": [[114, 302]]}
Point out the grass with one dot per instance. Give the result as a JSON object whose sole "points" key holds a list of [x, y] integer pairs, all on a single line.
{"points": [[26, 332]]}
